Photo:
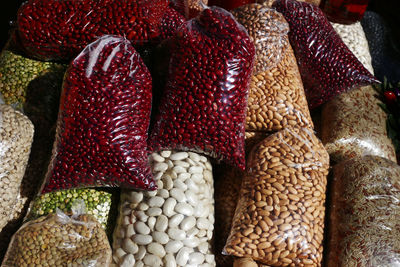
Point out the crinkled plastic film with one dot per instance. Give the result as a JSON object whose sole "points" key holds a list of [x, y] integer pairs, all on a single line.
{"points": [[59, 30], [365, 213], [103, 120], [59, 240], [276, 95], [279, 219], [204, 104], [328, 68]]}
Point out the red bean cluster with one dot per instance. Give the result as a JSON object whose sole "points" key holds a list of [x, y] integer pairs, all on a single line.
{"points": [[327, 66], [170, 23], [204, 104], [59, 30], [103, 120]]}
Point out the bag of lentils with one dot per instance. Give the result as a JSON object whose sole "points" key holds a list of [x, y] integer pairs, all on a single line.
{"points": [[60, 30], [174, 225], [279, 219], [204, 103], [364, 216], [327, 66], [103, 120], [276, 95]]}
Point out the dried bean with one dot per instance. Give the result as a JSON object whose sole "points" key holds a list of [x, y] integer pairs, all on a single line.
{"points": [[103, 120], [365, 213], [281, 206], [59, 240], [327, 66], [204, 102], [276, 95]]}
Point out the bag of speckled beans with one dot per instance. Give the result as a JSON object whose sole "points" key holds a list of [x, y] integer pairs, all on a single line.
{"points": [[174, 225], [59, 239], [327, 67], [276, 95], [16, 136], [76, 23], [103, 119], [279, 219], [203, 108], [364, 219]]}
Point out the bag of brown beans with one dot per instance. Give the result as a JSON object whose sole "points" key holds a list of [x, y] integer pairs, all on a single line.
{"points": [[276, 95], [189, 8], [279, 219], [364, 219]]}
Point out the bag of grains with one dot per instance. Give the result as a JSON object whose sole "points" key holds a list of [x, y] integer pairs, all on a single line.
{"points": [[170, 23], [59, 240], [328, 68], [276, 95], [60, 30], [189, 8], [103, 120], [204, 103], [279, 219], [174, 225], [16, 136], [364, 219]]}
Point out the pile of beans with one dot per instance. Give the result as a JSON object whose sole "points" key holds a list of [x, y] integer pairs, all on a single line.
{"points": [[276, 95], [59, 30], [16, 136], [104, 116], [204, 104], [328, 68], [174, 225], [59, 240], [279, 219]]}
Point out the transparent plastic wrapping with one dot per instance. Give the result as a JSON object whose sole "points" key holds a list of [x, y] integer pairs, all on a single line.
{"points": [[276, 95], [104, 116], [60, 30], [328, 68], [59, 240], [170, 23], [204, 103], [353, 125], [279, 219], [253, 138], [16, 136], [174, 225], [365, 213]]}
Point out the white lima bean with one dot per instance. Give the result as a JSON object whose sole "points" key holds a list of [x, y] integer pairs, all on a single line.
{"points": [[174, 225]]}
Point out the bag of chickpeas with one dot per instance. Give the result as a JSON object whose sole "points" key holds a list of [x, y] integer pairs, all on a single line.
{"points": [[279, 219], [276, 94]]}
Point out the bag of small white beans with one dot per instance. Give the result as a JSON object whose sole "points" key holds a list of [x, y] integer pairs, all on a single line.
{"points": [[279, 219], [172, 226]]}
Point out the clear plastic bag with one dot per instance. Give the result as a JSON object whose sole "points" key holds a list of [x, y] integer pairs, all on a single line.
{"points": [[59, 30], [174, 225], [328, 68], [204, 104], [170, 23], [103, 120], [365, 213], [276, 95], [279, 219], [59, 240]]}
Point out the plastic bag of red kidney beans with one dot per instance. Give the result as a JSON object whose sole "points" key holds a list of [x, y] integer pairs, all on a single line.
{"points": [[170, 23], [102, 125], [203, 108], [327, 66], [60, 29]]}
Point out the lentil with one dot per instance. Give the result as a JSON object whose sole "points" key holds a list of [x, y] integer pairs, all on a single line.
{"points": [[203, 108], [174, 225], [59, 240], [327, 66], [103, 120], [281, 205], [364, 216], [276, 95]]}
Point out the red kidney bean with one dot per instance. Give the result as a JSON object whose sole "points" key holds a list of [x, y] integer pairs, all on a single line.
{"points": [[59, 30], [103, 120], [170, 23], [327, 66], [204, 104]]}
